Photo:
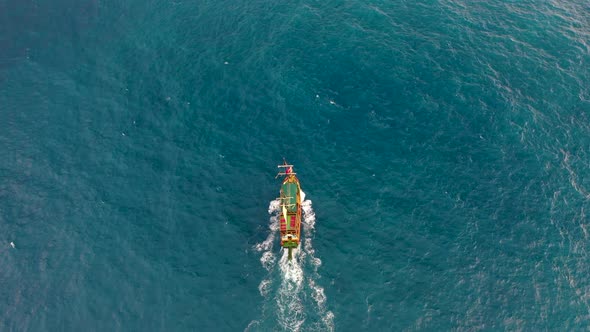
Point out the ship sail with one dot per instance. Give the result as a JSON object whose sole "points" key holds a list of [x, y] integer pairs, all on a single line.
{"points": [[285, 212]]}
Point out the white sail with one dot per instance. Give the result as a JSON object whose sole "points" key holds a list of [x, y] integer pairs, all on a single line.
{"points": [[285, 213]]}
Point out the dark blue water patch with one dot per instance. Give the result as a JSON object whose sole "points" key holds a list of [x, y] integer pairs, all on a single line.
{"points": [[443, 146]]}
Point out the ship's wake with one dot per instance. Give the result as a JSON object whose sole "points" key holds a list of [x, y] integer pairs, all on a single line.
{"points": [[293, 298]]}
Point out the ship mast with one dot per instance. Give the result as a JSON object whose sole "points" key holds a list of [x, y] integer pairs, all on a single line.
{"points": [[287, 170]]}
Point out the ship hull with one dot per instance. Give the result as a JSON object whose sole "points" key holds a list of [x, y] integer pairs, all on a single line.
{"points": [[290, 217]]}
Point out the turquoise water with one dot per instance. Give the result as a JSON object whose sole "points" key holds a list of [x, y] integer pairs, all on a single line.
{"points": [[443, 147]]}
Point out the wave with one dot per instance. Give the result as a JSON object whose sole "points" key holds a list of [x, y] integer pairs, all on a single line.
{"points": [[318, 294], [293, 298]]}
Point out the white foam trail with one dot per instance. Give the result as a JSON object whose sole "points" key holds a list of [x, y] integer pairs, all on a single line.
{"points": [[264, 287], [291, 312], [308, 215], [318, 293], [288, 306], [290, 268], [273, 206], [268, 258]]}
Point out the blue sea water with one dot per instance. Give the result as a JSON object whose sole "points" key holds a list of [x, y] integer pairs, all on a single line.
{"points": [[443, 147]]}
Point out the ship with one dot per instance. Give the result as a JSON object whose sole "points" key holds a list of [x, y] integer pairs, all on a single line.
{"points": [[290, 204]]}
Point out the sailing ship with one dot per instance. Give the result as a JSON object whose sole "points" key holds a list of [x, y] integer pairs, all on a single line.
{"points": [[290, 203]]}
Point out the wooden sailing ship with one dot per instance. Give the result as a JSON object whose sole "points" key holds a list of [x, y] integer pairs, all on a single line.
{"points": [[290, 204]]}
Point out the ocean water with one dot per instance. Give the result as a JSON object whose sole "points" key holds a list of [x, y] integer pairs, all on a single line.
{"points": [[443, 147]]}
